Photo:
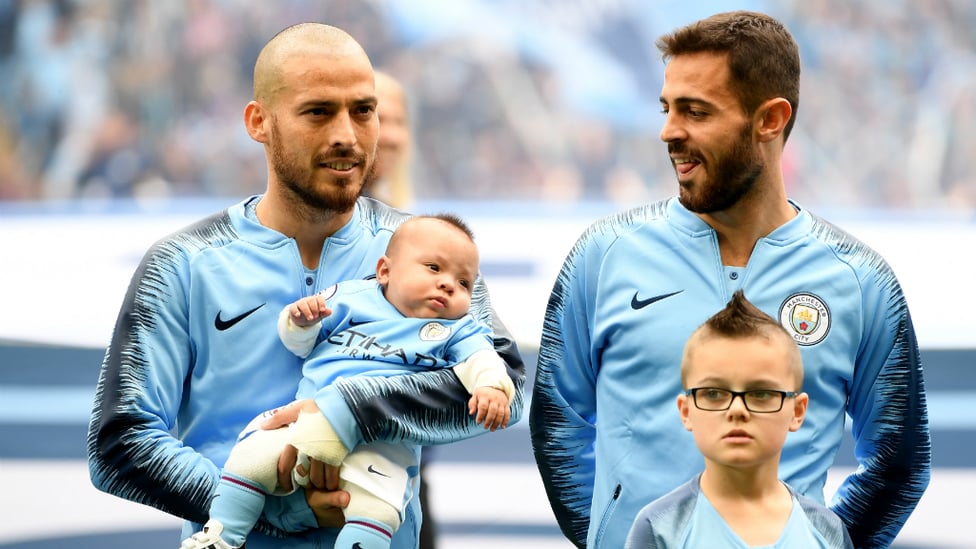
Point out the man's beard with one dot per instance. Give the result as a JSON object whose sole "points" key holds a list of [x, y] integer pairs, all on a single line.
{"points": [[368, 187], [298, 180], [733, 177]]}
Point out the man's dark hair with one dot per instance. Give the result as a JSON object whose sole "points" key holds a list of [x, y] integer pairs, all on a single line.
{"points": [[763, 58]]}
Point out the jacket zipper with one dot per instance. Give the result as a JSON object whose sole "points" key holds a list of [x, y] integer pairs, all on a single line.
{"points": [[606, 515]]}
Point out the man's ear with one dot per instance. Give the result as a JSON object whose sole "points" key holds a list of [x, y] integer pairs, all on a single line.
{"points": [[772, 117], [255, 116]]}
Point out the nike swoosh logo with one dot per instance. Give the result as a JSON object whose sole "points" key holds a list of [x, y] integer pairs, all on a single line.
{"points": [[354, 322], [639, 304], [375, 472], [357, 545], [222, 324]]}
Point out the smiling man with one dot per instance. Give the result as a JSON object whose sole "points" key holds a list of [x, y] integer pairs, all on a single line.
{"points": [[636, 284], [194, 355]]}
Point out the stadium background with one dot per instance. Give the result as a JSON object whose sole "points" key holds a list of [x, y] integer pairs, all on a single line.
{"points": [[121, 121]]}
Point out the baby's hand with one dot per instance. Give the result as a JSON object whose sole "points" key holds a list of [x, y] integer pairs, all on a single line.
{"points": [[308, 310], [491, 407]]}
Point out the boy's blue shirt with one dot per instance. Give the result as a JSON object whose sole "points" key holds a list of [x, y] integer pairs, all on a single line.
{"points": [[684, 518]]}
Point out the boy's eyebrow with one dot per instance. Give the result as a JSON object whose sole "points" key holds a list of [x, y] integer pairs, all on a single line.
{"points": [[711, 382], [722, 383]]}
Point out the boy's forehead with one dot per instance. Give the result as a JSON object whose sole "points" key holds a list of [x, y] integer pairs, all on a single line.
{"points": [[740, 358]]}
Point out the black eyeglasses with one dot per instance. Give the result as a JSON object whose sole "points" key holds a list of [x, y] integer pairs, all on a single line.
{"points": [[760, 401]]}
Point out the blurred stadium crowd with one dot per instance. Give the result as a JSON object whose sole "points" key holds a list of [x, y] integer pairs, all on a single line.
{"points": [[511, 99]]}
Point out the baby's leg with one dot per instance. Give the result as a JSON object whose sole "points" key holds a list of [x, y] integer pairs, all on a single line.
{"points": [[376, 477], [315, 437], [250, 474]]}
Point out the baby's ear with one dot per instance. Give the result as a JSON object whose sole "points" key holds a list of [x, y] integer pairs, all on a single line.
{"points": [[383, 271]]}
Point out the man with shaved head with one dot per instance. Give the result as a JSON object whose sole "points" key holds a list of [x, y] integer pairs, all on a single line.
{"points": [[191, 361]]}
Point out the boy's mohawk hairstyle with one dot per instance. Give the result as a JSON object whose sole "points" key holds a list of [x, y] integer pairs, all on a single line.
{"points": [[740, 318]]}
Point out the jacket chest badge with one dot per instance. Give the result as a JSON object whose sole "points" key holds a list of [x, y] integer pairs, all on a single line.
{"points": [[806, 317], [434, 331]]}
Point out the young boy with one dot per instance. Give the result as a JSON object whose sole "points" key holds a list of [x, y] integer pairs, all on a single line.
{"points": [[412, 318], [742, 375]]}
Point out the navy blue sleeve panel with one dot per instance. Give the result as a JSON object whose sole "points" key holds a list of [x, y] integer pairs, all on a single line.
{"points": [[895, 457], [887, 405], [558, 433], [562, 420], [137, 447], [426, 408], [131, 453]]}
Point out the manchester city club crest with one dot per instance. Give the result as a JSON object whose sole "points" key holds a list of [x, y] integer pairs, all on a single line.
{"points": [[806, 317], [434, 331]]}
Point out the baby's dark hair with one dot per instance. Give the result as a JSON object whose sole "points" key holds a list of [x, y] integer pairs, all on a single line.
{"points": [[453, 219]]}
